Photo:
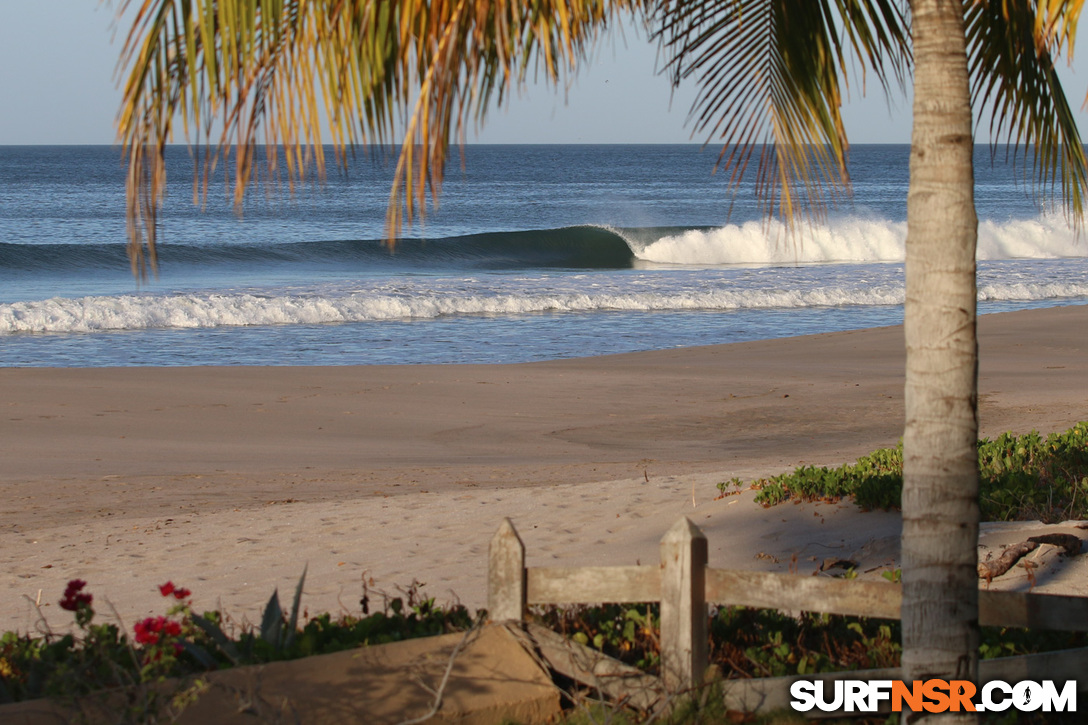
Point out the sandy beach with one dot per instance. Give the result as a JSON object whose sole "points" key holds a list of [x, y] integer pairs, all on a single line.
{"points": [[230, 480]]}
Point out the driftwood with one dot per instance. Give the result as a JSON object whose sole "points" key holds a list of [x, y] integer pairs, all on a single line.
{"points": [[1069, 542], [989, 569]]}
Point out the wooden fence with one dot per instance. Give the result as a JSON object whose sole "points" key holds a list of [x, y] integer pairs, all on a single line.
{"points": [[684, 586]]}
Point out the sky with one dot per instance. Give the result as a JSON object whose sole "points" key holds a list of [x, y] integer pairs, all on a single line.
{"points": [[57, 62]]}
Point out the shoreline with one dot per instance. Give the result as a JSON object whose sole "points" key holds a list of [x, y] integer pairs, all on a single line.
{"points": [[228, 480]]}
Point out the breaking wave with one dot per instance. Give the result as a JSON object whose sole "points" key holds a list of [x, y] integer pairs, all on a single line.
{"points": [[178, 311], [840, 240], [851, 239]]}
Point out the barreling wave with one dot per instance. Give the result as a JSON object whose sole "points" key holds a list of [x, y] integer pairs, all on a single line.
{"points": [[575, 247], [186, 311], [847, 239]]}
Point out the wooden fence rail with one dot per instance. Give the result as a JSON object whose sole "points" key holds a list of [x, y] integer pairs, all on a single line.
{"points": [[684, 585]]}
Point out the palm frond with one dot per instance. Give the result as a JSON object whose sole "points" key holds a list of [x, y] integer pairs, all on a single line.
{"points": [[1012, 69], [771, 74], [1056, 22], [269, 71]]}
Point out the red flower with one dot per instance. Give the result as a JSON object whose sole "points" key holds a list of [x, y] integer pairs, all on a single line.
{"points": [[74, 598], [153, 629], [147, 631], [179, 592]]}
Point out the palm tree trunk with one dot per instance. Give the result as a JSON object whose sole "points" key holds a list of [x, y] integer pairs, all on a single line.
{"points": [[940, 491]]}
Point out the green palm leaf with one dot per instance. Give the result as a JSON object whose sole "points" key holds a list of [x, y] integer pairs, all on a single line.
{"points": [[771, 75], [1013, 75]]}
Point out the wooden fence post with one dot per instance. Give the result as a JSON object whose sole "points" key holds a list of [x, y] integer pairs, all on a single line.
{"points": [[683, 606], [506, 574]]}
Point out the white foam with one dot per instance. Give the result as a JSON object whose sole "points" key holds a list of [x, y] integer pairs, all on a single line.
{"points": [[853, 239], [1030, 292], [136, 312], [1046, 237]]}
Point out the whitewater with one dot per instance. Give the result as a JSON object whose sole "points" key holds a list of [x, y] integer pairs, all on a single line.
{"points": [[520, 262], [855, 239]]}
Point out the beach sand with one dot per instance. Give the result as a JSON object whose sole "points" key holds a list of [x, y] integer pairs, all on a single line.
{"points": [[229, 481]]}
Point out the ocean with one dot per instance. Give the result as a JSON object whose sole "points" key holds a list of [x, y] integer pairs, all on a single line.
{"points": [[534, 253]]}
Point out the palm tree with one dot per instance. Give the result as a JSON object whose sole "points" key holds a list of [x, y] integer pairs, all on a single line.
{"points": [[940, 467], [771, 75], [940, 460], [997, 55]]}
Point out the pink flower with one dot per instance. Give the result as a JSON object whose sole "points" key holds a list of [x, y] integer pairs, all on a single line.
{"points": [[167, 589]]}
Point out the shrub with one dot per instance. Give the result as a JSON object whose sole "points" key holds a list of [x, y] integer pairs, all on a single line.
{"points": [[1020, 477]]}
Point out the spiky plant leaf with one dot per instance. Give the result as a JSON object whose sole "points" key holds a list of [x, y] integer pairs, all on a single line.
{"points": [[292, 621], [272, 621], [225, 643]]}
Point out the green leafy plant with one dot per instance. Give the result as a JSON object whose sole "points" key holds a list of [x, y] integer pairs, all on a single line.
{"points": [[182, 643], [97, 667], [1020, 477], [735, 483], [747, 642], [765, 643], [626, 632]]}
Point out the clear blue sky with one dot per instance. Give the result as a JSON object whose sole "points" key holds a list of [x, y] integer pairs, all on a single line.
{"points": [[57, 60]]}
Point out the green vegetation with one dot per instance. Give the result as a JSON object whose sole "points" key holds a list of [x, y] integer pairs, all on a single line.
{"points": [[743, 643], [184, 644], [1020, 478], [747, 642], [627, 632], [765, 643]]}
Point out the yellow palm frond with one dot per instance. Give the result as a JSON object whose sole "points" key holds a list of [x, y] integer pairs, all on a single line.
{"points": [[1056, 22], [268, 72], [771, 76]]}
